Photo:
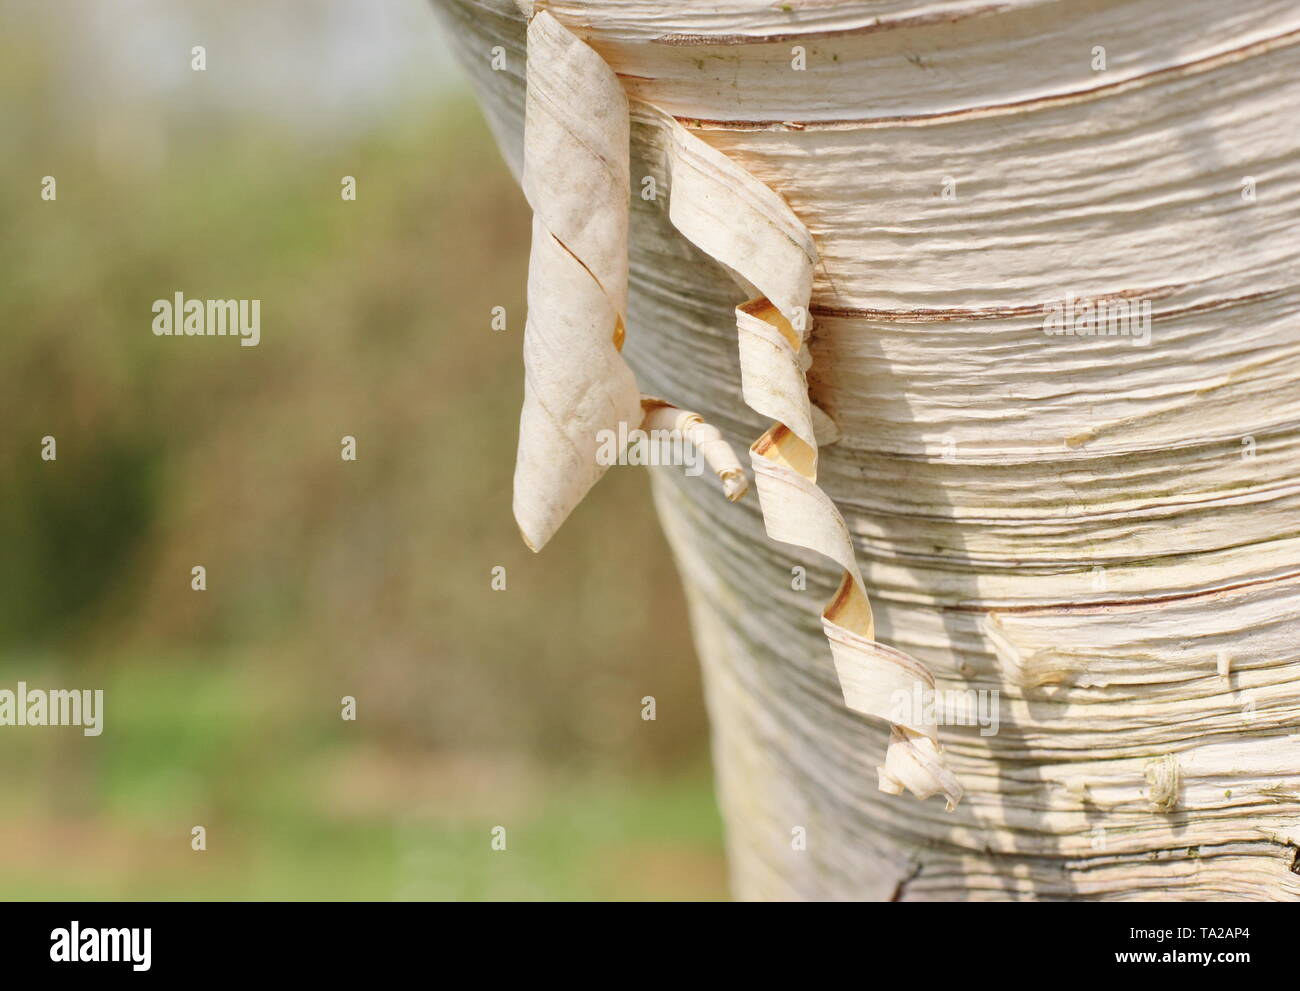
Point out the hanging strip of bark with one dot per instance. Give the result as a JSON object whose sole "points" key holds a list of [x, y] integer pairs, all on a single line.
{"points": [[577, 387]]}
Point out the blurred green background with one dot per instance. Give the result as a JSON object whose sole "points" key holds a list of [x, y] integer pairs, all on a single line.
{"points": [[475, 708]]}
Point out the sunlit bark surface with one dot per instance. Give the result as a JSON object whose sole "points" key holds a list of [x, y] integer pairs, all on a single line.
{"points": [[1105, 530]]}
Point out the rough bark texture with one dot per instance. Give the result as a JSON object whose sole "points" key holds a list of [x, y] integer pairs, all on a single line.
{"points": [[1104, 532]]}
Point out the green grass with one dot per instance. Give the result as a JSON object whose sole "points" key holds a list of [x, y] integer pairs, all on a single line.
{"points": [[300, 804]]}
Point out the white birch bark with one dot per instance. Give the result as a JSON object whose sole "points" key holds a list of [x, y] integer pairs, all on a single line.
{"points": [[1103, 529]]}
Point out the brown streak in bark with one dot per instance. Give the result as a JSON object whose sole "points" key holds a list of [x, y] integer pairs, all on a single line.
{"points": [[1038, 309], [1106, 605]]}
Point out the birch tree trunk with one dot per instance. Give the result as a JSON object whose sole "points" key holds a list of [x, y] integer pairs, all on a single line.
{"points": [[1094, 514]]}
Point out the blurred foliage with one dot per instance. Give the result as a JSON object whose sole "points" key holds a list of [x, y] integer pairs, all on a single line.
{"points": [[325, 578]]}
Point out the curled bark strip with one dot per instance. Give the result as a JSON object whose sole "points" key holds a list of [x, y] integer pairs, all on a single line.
{"points": [[575, 178], [577, 386], [747, 227], [661, 415]]}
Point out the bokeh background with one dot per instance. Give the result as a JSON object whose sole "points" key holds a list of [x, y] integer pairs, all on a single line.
{"points": [[476, 708]]}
